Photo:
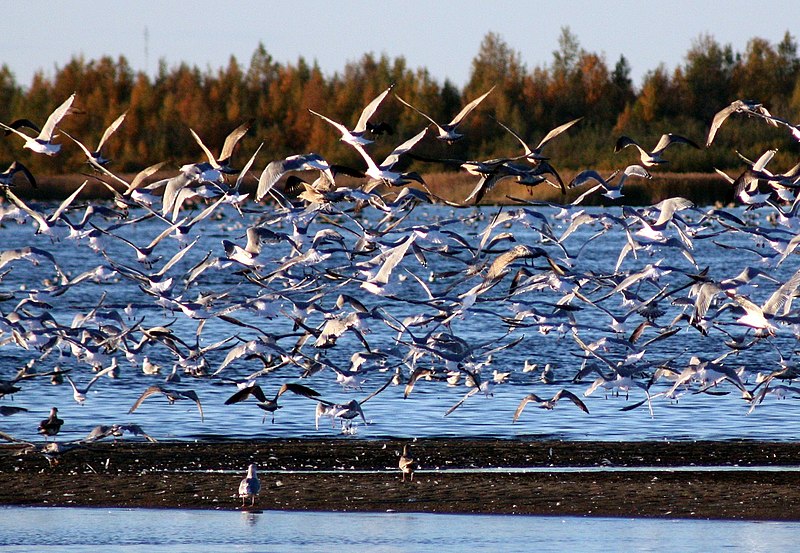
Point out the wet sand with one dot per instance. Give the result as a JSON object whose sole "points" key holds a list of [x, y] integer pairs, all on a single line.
{"points": [[359, 475]]}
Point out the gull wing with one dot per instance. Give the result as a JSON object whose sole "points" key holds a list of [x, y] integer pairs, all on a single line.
{"points": [[563, 392], [154, 389], [392, 158], [211, 159], [376, 392], [55, 119], [232, 139], [112, 128], [522, 404], [246, 392], [555, 132], [191, 394], [669, 139], [472, 392], [368, 111], [468, 108]]}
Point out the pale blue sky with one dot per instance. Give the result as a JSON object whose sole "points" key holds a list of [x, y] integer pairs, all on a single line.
{"points": [[443, 36]]}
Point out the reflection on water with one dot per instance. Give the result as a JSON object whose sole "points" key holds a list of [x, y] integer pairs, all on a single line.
{"points": [[78, 529]]}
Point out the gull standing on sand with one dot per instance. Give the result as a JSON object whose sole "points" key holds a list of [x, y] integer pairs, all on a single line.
{"points": [[250, 486]]}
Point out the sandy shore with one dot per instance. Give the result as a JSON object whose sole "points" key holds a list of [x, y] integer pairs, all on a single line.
{"points": [[354, 475]]}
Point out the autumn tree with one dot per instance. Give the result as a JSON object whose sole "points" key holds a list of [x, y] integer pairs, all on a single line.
{"points": [[707, 74]]}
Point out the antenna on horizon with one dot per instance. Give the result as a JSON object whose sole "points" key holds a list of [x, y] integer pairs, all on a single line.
{"points": [[146, 50]]}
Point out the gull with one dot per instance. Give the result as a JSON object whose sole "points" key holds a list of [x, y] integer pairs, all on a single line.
{"points": [[549, 403], [407, 464], [79, 394], [612, 191], [42, 144], [447, 133], [484, 387], [300, 162], [95, 157], [356, 136], [45, 225], [345, 411], [534, 155], [222, 163], [749, 107], [51, 425], [157, 283], [267, 404], [171, 395], [34, 255], [144, 254], [651, 159], [116, 430], [524, 174], [383, 173], [7, 176], [132, 194], [250, 486]]}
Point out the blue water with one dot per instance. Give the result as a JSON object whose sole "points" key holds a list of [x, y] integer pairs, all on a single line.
{"points": [[691, 416], [177, 531]]}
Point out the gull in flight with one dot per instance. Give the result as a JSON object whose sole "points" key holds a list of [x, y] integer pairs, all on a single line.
{"points": [[549, 404], [222, 163], [270, 405], [651, 159], [171, 395], [7, 176], [80, 393], [356, 136], [383, 173], [447, 133], [749, 107], [300, 162], [345, 411], [95, 157], [612, 191], [43, 143]]}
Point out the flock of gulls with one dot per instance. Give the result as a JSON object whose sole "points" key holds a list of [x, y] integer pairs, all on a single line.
{"points": [[317, 281]]}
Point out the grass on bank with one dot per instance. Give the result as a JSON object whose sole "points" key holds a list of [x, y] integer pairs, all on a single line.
{"points": [[701, 188]]}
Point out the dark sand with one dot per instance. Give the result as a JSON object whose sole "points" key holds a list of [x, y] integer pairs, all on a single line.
{"points": [[206, 476]]}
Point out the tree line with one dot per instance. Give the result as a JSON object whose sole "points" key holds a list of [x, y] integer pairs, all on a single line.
{"points": [[576, 83]]}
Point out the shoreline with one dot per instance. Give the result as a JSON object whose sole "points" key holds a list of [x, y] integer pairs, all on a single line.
{"points": [[345, 475]]}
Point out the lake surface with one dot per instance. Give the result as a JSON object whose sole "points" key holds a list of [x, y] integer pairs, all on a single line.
{"points": [[121, 530], [282, 296]]}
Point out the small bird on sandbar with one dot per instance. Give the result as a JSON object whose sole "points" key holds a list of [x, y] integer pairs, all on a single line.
{"points": [[408, 464]]}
